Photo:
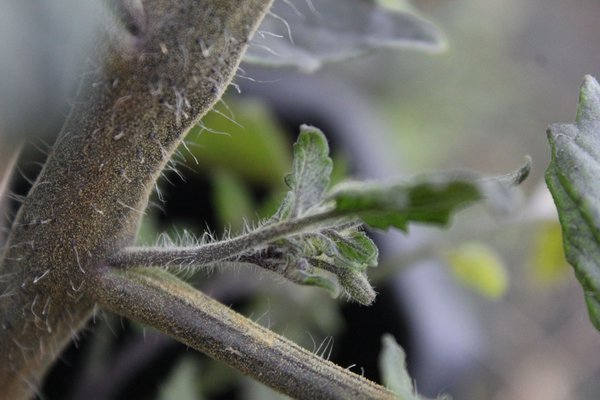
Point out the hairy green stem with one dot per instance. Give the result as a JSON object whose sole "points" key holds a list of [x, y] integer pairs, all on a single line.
{"points": [[215, 329], [209, 253]]}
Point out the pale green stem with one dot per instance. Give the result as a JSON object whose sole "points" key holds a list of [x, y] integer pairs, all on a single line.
{"points": [[206, 254]]}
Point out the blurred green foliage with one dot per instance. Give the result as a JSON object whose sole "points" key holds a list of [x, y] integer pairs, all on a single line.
{"points": [[182, 384], [479, 267], [547, 257], [242, 137]]}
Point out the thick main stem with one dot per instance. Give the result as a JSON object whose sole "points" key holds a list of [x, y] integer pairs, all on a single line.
{"points": [[147, 87]]}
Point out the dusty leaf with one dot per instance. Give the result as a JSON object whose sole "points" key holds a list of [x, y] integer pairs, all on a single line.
{"points": [[572, 178], [311, 170]]}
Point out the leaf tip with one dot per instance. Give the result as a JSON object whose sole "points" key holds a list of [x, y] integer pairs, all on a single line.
{"points": [[310, 129], [517, 177], [590, 84], [592, 302], [523, 172], [313, 136], [589, 100]]}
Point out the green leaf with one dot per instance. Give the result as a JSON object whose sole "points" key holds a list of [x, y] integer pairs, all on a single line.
{"points": [[311, 170], [285, 208], [431, 199], [333, 259], [355, 246], [480, 268], [394, 375], [308, 34], [349, 248], [572, 178]]}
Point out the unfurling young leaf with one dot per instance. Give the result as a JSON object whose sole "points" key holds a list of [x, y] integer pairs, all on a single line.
{"points": [[572, 177], [355, 247], [336, 255], [330, 250]]}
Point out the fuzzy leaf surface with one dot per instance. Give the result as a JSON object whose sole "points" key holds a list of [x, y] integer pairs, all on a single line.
{"points": [[572, 178], [431, 199], [355, 248], [333, 256], [311, 170], [308, 34]]}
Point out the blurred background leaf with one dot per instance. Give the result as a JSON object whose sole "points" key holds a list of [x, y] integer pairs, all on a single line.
{"points": [[244, 137], [232, 199], [549, 265], [480, 268], [310, 34], [182, 384]]}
